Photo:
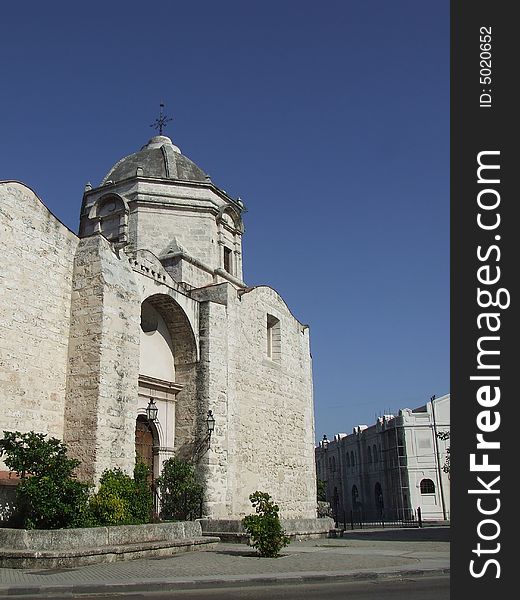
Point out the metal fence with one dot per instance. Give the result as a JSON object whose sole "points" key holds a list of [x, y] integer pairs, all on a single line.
{"points": [[359, 519]]}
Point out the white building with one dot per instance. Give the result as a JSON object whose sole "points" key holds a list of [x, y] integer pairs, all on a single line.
{"points": [[390, 469]]}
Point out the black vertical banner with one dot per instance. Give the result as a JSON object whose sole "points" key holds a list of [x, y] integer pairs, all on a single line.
{"points": [[485, 240]]}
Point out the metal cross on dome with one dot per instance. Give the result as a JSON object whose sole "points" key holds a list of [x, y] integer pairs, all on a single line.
{"points": [[161, 121]]}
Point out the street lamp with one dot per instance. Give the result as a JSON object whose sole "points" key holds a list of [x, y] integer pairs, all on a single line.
{"points": [[210, 422], [152, 410]]}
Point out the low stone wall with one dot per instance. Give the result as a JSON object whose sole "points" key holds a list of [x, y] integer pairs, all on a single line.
{"points": [[232, 530], [22, 548]]}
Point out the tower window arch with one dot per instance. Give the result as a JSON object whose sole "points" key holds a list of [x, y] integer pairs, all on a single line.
{"points": [[109, 216]]}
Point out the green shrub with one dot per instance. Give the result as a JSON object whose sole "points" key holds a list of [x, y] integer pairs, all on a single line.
{"points": [[143, 501], [122, 500], [181, 491], [265, 529], [321, 490], [48, 496]]}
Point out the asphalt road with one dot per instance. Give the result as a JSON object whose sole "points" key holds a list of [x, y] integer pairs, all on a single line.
{"points": [[421, 588]]}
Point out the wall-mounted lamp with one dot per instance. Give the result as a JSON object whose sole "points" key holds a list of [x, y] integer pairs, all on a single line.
{"points": [[210, 422], [152, 410]]}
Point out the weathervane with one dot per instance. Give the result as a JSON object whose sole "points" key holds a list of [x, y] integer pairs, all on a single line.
{"points": [[160, 123]]}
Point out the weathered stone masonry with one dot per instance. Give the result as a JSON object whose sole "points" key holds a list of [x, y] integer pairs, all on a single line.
{"points": [[148, 302]]}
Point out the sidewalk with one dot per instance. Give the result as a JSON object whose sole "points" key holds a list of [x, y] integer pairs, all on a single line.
{"points": [[360, 554]]}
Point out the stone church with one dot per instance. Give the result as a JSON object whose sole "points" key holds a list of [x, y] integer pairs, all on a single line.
{"points": [[147, 307]]}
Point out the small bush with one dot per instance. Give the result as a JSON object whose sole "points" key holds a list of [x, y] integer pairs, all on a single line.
{"points": [[122, 500], [48, 496], [265, 529], [181, 492], [321, 490], [143, 501]]}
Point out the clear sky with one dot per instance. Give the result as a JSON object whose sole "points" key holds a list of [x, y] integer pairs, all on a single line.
{"points": [[329, 119]]}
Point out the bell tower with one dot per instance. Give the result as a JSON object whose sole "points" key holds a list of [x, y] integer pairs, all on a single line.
{"points": [[159, 200]]}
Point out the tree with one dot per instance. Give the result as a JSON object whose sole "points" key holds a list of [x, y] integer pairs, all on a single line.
{"points": [[321, 490], [48, 495], [180, 490], [122, 500], [446, 467], [265, 529]]}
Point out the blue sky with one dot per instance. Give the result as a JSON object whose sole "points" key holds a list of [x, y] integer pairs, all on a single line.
{"points": [[330, 120]]}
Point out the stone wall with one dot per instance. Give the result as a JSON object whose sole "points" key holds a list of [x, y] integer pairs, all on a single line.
{"points": [[196, 232], [46, 549], [272, 400], [35, 295], [213, 393], [102, 390], [264, 431]]}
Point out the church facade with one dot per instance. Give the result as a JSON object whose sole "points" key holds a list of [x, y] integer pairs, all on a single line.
{"points": [[147, 306]]}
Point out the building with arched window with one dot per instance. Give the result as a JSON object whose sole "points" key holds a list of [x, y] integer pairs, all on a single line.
{"points": [[399, 467], [147, 304]]}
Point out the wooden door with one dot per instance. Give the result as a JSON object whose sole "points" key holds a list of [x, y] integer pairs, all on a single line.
{"points": [[144, 445]]}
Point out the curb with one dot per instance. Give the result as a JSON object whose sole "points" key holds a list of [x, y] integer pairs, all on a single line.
{"points": [[210, 582]]}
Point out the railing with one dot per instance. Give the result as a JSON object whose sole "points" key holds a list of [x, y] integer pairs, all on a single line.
{"points": [[361, 518]]}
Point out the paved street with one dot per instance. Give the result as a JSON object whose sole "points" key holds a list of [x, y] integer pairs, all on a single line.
{"points": [[424, 588], [382, 555]]}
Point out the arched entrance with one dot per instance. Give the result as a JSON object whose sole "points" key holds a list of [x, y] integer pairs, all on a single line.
{"points": [[145, 441], [378, 498], [167, 372]]}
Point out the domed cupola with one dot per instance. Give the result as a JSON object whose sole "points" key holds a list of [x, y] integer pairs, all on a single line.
{"points": [[159, 159], [158, 201]]}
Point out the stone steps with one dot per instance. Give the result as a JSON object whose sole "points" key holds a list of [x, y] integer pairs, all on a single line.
{"points": [[44, 559]]}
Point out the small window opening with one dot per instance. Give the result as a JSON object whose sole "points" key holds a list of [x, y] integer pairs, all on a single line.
{"points": [[273, 338], [427, 486], [227, 261]]}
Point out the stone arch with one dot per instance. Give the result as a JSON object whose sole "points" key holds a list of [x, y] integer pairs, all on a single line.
{"points": [[109, 216], [228, 213], [183, 345]]}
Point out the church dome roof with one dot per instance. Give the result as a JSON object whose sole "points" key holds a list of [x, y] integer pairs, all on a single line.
{"points": [[158, 158]]}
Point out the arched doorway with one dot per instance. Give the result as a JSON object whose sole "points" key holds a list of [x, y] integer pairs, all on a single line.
{"points": [[378, 498], [145, 442], [167, 372], [355, 497]]}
